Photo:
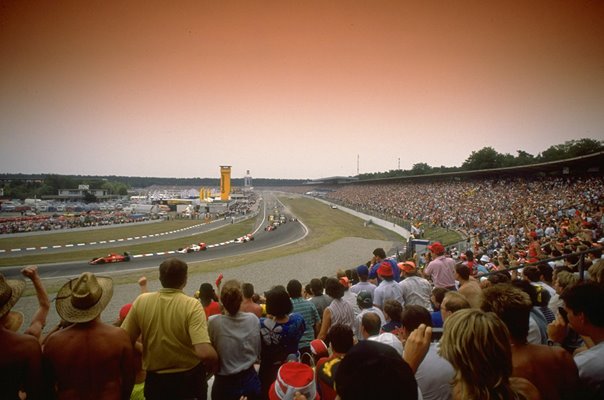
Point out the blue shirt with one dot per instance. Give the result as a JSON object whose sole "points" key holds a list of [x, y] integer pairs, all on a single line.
{"points": [[396, 272]]}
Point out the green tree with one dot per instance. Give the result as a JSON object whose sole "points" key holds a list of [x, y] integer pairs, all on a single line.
{"points": [[421, 169], [484, 158]]}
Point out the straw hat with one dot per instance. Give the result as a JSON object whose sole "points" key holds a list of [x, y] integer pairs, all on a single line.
{"points": [[10, 291], [84, 298]]}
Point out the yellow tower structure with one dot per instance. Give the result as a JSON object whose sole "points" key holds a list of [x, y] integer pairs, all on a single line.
{"points": [[225, 182]]}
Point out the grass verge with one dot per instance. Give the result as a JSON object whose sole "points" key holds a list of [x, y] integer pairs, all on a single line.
{"points": [[216, 236]]}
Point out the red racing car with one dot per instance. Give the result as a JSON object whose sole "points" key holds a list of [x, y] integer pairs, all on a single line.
{"points": [[111, 258]]}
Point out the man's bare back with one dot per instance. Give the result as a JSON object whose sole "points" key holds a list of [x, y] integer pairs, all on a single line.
{"points": [[20, 365], [551, 369], [90, 360]]}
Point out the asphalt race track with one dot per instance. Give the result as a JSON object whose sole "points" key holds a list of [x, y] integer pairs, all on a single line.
{"points": [[263, 240]]}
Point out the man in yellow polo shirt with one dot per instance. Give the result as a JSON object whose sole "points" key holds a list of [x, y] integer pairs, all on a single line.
{"points": [[177, 351]]}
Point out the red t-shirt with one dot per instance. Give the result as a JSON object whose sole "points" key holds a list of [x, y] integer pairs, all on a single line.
{"points": [[212, 309]]}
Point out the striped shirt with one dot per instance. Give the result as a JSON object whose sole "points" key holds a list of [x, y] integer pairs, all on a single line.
{"points": [[309, 312]]}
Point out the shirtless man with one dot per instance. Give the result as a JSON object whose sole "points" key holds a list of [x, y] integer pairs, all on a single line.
{"points": [[248, 305], [89, 359], [550, 369], [468, 286], [21, 356]]}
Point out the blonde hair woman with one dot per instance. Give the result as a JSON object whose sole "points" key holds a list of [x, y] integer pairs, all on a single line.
{"points": [[477, 344]]}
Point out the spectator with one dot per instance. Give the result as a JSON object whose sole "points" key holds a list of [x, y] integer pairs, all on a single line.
{"points": [[379, 257], [88, 357], [349, 296], [248, 304], [366, 305], [583, 304], [21, 355], [177, 348], [438, 294], [394, 313], [550, 369], [468, 287], [372, 370], [207, 297], [280, 334], [537, 322], [338, 311], [435, 374], [138, 391], [388, 289], [363, 285], [370, 330], [340, 338], [441, 269], [487, 374], [320, 300], [236, 338], [453, 302], [308, 311], [416, 289]]}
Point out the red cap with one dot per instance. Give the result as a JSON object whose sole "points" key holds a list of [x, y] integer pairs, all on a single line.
{"points": [[385, 269], [436, 248]]}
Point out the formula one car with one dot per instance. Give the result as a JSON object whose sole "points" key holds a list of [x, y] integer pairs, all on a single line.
{"points": [[111, 258], [245, 238], [195, 247]]}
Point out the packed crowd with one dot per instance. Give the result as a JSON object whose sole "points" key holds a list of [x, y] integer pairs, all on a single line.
{"points": [[385, 329], [494, 212], [62, 222], [517, 316]]}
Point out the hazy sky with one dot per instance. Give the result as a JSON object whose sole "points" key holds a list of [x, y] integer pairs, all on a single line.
{"points": [[292, 89]]}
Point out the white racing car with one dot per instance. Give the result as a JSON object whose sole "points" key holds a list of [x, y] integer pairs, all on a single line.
{"points": [[195, 247]]}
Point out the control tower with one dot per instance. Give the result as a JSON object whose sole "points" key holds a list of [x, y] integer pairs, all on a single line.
{"points": [[225, 182], [247, 181]]}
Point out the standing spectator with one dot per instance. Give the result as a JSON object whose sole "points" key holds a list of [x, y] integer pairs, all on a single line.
{"points": [[379, 256], [338, 311], [349, 296], [441, 269], [280, 334], [21, 355], [487, 374], [320, 300], [365, 303], [207, 297], [363, 285], [388, 289], [583, 304], [550, 368], [236, 338], [468, 286], [177, 348], [248, 304], [434, 374], [416, 289], [89, 358], [308, 311]]}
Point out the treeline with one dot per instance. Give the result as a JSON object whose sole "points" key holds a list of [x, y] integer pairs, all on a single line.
{"points": [[23, 186], [488, 158]]}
